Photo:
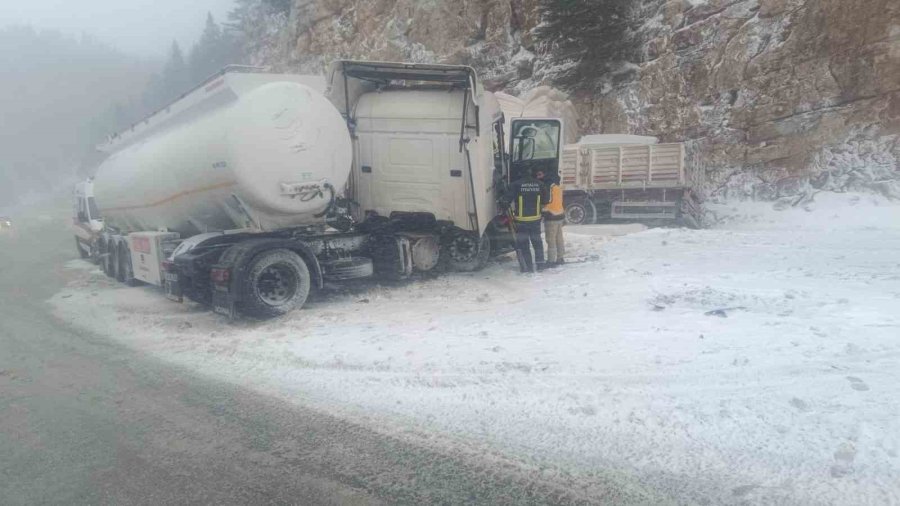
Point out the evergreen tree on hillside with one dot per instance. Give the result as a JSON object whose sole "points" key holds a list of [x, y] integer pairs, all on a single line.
{"points": [[215, 49], [171, 83], [587, 39], [176, 78], [256, 24]]}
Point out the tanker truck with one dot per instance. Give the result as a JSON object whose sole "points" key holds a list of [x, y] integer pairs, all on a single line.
{"points": [[254, 188]]}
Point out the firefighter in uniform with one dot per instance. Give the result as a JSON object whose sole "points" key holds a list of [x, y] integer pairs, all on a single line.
{"points": [[527, 195], [554, 217]]}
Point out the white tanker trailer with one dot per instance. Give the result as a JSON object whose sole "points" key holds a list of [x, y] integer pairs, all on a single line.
{"points": [[255, 187], [263, 158]]}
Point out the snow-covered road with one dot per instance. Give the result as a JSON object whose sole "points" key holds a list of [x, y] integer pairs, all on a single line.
{"points": [[757, 361]]}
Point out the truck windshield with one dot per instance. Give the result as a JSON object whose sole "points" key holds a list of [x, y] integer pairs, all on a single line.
{"points": [[535, 139]]}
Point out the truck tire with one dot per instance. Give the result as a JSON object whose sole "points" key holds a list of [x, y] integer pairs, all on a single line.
{"points": [[81, 252], [277, 282], [581, 212], [467, 254]]}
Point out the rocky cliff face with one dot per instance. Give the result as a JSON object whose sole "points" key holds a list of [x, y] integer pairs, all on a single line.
{"points": [[774, 97], [492, 35], [771, 94]]}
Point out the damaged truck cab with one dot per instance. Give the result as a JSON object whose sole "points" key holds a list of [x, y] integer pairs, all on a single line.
{"points": [[425, 157]]}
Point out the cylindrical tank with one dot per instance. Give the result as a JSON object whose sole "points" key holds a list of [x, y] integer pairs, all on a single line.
{"points": [[258, 160]]}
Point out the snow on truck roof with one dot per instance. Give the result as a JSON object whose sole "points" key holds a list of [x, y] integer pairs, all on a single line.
{"points": [[221, 88]]}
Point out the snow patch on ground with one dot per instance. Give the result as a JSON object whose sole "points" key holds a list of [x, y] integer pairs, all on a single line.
{"points": [[752, 362]]}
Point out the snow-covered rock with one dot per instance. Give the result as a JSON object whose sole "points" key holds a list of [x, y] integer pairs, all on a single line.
{"points": [[768, 91]]}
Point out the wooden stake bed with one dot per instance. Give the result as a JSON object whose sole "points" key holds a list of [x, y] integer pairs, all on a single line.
{"points": [[637, 181]]}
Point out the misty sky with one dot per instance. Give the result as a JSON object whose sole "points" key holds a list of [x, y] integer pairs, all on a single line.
{"points": [[141, 27]]}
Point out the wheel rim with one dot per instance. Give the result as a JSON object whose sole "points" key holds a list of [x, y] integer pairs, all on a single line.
{"points": [[575, 214], [463, 248], [276, 284]]}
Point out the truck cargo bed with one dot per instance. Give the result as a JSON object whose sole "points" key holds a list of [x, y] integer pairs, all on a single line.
{"points": [[609, 167], [641, 182]]}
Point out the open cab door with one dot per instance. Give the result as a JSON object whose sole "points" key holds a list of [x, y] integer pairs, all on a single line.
{"points": [[535, 145]]}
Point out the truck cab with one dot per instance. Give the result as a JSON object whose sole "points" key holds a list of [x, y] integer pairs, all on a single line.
{"points": [[425, 143], [86, 220]]}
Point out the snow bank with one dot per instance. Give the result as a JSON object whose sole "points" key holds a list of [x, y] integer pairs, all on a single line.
{"points": [[753, 362], [820, 211]]}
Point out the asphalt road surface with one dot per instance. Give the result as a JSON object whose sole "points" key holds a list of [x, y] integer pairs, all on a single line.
{"points": [[86, 421]]}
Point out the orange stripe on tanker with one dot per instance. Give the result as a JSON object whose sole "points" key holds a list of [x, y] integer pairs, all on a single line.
{"points": [[176, 196]]}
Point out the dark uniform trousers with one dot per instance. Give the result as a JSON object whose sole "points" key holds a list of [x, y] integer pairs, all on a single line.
{"points": [[527, 194]]}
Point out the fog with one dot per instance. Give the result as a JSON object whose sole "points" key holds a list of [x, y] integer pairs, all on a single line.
{"points": [[73, 72], [138, 27]]}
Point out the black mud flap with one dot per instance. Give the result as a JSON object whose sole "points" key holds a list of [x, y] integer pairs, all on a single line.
{"points": [[223, 304]]}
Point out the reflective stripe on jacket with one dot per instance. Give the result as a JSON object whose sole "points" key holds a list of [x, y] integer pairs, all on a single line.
{"points": [[528, 195]]}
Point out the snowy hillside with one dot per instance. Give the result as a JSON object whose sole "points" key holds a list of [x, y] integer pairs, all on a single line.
{"points": [[771, 96], [756, 361]]}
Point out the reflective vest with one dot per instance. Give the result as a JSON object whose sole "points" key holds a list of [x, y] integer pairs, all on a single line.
{"points": [[525, 212], [529, 195], [555, 206]]}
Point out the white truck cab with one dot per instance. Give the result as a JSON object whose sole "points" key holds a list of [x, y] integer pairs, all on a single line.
{"points": [[426, 148], [86, 219]]}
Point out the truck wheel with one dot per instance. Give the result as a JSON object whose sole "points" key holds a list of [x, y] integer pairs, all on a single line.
{"points": [[467, 253], [276, 283], [581, 212], [84, 255]]}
